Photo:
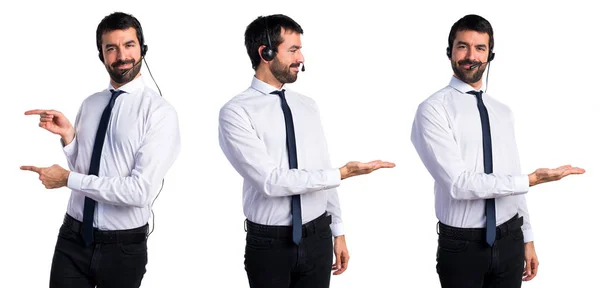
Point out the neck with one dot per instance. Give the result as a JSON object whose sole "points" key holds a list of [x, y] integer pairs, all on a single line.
{"points": [[118, 85], [477, 85], [264, 74]]}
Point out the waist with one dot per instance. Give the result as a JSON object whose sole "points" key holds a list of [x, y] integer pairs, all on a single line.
{"points": [[110, 217], [277, 211], [134, 235], [478, 234], [310, 228]]}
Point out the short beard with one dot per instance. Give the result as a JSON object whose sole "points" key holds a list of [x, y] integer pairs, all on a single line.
{"points": [[117, 74], [469, 76], [283, 73]]}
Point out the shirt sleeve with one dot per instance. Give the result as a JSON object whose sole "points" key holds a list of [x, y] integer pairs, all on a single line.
{"points": [[434, 141], [70, 150], [249, 157], [156, 155]]}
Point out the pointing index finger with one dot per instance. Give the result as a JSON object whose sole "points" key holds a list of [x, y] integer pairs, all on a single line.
{"points": [[31, 168], [35, 112]]}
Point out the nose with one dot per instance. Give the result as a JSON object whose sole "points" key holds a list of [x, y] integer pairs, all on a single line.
{"points": [[471, 54], [121, 55], [300, 58]]}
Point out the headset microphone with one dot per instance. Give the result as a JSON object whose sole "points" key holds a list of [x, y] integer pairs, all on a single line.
{"points": [[127, 71], [476, 65], [303, 67]]}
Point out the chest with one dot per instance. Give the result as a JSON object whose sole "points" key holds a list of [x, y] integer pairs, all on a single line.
{"points": [[125, 127]]}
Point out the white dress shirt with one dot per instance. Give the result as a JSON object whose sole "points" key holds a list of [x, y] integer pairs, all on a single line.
{"points": [[448, 138], [252, 136], [142, 142]]}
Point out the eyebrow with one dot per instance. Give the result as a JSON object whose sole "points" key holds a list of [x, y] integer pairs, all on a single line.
{"points": [[295, 47], [115, 45], [465, 43]]}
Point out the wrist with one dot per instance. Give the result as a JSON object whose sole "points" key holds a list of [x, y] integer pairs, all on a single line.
{"points": [[533, 179], [65, 180], [68, 136], [343, 172]]}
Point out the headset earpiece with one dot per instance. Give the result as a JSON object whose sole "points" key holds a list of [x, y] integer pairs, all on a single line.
{"points": [[491, 56], [267, 53], [144, 49], [448, 52]]}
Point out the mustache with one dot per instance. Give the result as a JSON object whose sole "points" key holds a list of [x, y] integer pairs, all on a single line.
{"points": [[122, 62], [468, 62], [295, 65]]}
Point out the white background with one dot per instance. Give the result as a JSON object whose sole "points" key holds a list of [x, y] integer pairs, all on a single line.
{"points": [[368, 67]]}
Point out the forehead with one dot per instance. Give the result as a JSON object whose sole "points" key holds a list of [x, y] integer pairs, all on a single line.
{"points": [[473, 37], [119, 35]]}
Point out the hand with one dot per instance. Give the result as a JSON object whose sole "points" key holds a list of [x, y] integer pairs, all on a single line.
{"points": [[341, 255], [531, 262], [52, 177], [355, 168], [56, 123], [544, 175]]}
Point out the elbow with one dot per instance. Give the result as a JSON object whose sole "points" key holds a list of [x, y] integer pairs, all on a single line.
{"points": [[140, 195], [271, 186], [463, 188]]}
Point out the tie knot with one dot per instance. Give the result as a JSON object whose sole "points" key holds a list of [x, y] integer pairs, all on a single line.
{"points": [[281, 93], [477, 94], [116, 93]]}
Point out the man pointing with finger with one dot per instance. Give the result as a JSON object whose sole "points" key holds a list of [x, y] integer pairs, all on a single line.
{"points": [[273, 137], [124, 141]]}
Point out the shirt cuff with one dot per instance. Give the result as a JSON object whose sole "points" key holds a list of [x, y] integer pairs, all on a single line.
{"points": [[527, 235], [75, 180], [521, 184], [68, 149], [337, 229], [334, 177]]}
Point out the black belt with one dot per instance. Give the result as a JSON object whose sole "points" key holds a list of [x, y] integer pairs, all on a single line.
{"points": [[135, 235], [320, 223], [478, 234]]}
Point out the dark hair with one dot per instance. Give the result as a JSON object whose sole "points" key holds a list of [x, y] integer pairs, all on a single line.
{"points": [[256, 34], [119, 21], [474, 23]]}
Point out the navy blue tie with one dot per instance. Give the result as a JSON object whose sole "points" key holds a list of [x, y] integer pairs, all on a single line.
{"points": [[490, 204], [90, 204], [293, 163]]}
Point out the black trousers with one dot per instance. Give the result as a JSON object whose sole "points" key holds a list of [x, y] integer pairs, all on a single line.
{"points": [[273, 260], [115, 259], [465, 260]]}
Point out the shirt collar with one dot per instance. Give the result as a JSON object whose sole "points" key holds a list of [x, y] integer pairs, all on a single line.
{"points": [[132, 86], [460, 85], [263, 87]]}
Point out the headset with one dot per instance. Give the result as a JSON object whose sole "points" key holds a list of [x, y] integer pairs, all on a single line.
{"points": [[268, 53]]}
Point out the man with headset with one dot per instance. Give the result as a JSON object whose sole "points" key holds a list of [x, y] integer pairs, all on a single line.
{"points": [[273, 138], [124, 141], [466, 140]]}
